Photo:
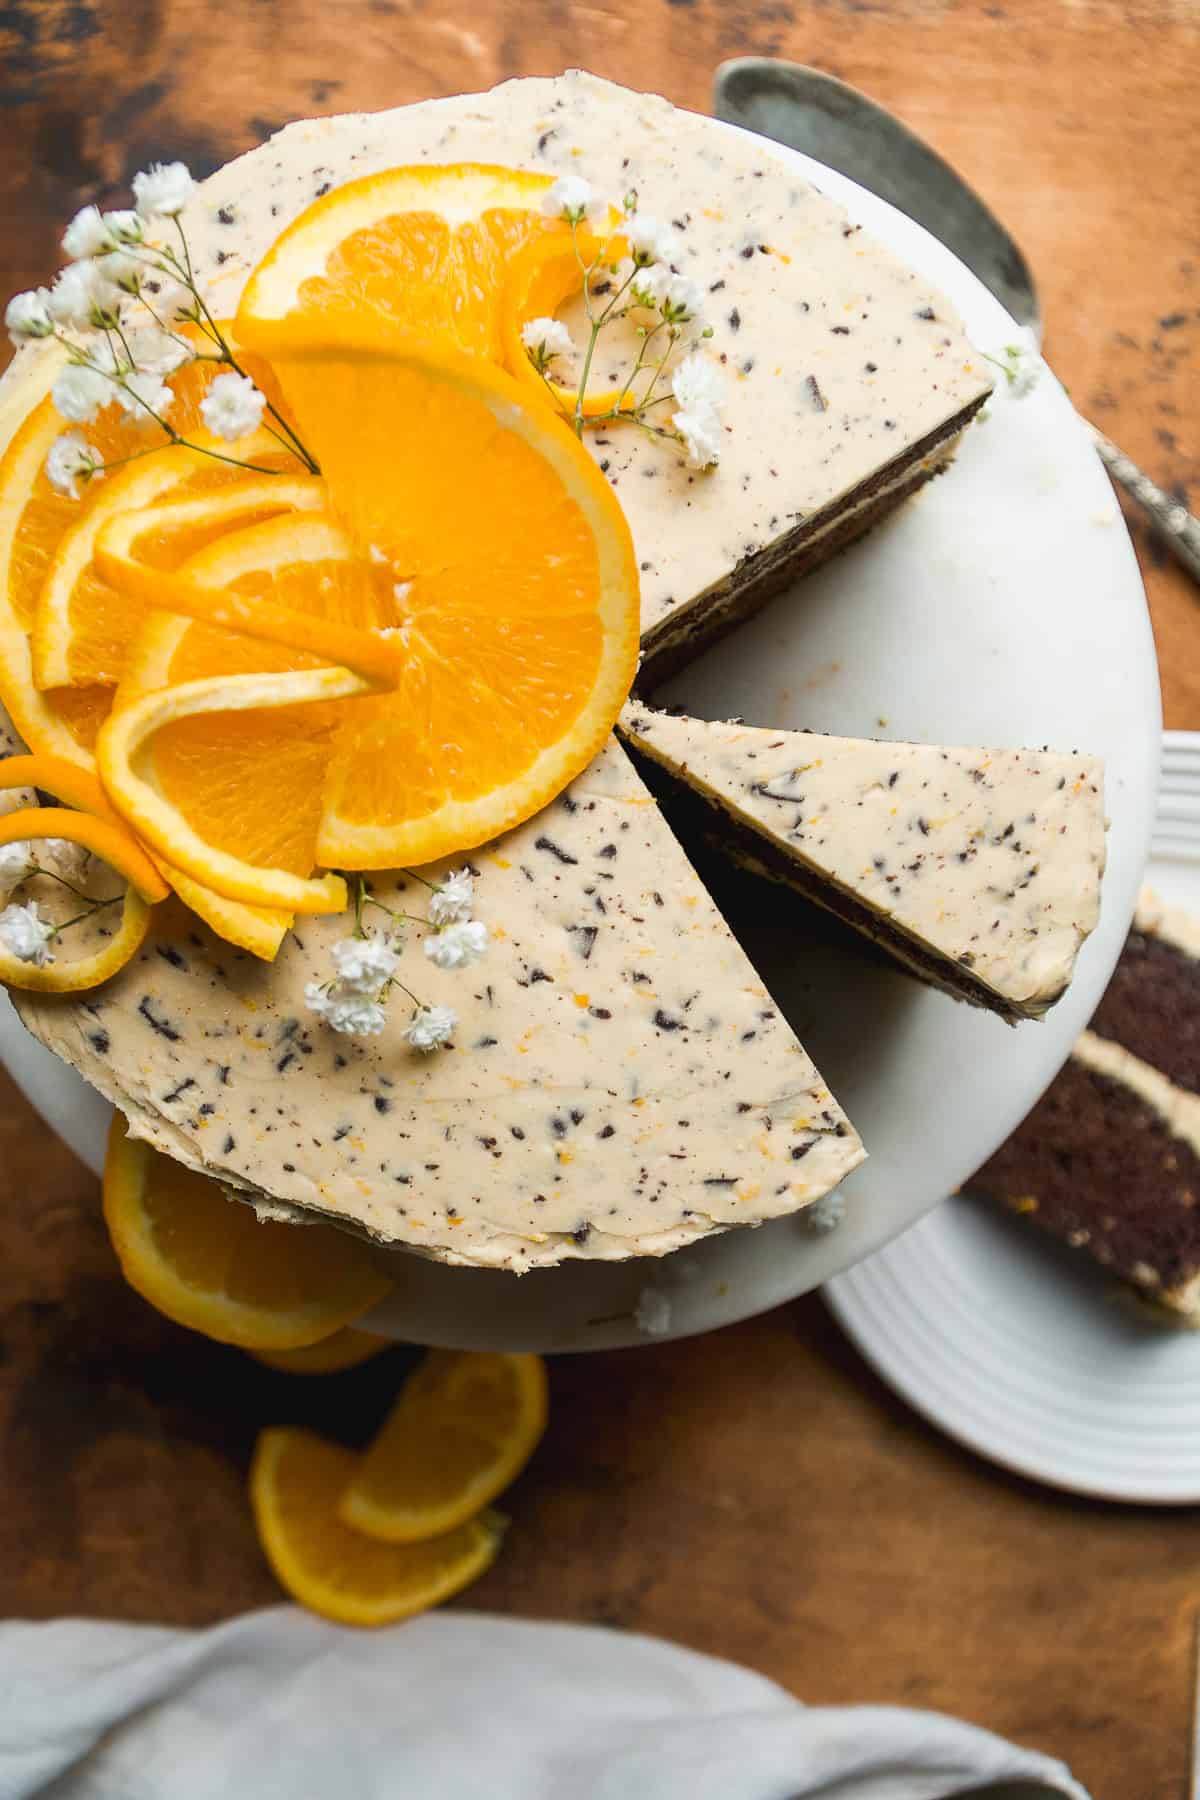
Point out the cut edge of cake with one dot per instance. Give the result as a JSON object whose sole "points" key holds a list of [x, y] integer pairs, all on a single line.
{"points": [[1108, 1161], [622, 1083], [977, 870]]}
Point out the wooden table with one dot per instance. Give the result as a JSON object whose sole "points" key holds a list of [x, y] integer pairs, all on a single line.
{"points": [[757, 1494]]}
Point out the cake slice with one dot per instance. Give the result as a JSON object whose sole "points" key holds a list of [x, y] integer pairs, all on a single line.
{"points": [[1108, 1161], [978, 870], [620, 1082]]}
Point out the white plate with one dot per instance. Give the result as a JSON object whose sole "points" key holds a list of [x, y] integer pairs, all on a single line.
{"points": [[1003, 606], [1024, 1350]]}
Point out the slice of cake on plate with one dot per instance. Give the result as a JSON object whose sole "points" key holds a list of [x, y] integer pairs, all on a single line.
{"points": [[1108, 1161], [619, 1084], [978, 870]]}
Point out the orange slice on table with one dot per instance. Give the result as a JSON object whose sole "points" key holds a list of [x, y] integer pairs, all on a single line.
{"points": [[206, 1261], [407, 252], [486, 543], [296, 1481], [33, 521], [463, 1428], [346, 1349]]}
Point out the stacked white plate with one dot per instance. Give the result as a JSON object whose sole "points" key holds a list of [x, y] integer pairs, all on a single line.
{"points": [[1020, 1348]]}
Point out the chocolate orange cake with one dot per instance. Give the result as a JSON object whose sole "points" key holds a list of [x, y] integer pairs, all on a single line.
{"points": [[1108, 1161], [977, 870]]}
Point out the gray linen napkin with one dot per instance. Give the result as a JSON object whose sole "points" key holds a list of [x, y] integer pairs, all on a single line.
{"points": [[279, 1705]]}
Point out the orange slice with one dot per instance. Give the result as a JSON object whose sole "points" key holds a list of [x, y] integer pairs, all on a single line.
{"points": [[205, 1261], [83, 627], [296, 1480], [512, 573], [463, 1428], [113, 845], [412, 252], [346, 1349], [210, 752], [542, 276], [33, 521]]}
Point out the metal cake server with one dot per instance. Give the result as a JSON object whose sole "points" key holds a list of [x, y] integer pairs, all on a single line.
{"points": [[841, 127]]}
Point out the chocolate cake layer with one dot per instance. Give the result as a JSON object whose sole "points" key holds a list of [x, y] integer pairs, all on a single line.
{"points": [[1096, 1166], [1152, 1008]]}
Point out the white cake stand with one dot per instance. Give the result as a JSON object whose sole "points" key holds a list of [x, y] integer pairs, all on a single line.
{"points": [[1003, 606]]}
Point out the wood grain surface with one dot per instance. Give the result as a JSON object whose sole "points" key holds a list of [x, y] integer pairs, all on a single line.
{"points": [[756, 1494]]}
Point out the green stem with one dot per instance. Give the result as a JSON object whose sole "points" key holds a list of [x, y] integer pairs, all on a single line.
{"points": [[80, 917]]}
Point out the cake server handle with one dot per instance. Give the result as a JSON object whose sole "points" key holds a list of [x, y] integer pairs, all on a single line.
{"points": [[1180, 530]]}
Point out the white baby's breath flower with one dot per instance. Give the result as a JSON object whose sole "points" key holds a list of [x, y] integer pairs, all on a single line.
{"points": [[28, 316], [82, 296], [353, 1014], [700, 435], [162, 190], [26, 935], [650, 241], [357, 1015], [825, 1214], [453, 901], [652, 1313], [546, 339], [696, 384], [70, 458], [88, 234], [144, 397], [125, 272], [364, 964], [79, 392], [1020, 362], [154, 350], [232, 407], [16, 860], [681, 299], [124, 227], [649, 285], [458, 945], [569, 198], [430, 1027]]}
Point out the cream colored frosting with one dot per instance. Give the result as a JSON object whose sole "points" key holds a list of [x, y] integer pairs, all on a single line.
{"points": [[620, 1083], [1171, 923], [795, 294], [988, 859]]}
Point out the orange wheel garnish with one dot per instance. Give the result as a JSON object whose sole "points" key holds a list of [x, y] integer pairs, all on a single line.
{"points": [[544, 274], [33, 521], [510, 568], [167, 507], [244, 722], [56, 775], [109, 841], [408, 253]]}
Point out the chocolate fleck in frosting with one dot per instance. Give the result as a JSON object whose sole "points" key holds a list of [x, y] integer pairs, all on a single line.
{"points": [[979, 870], [797, 305], [620, 1082], [1109, 1159]]}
